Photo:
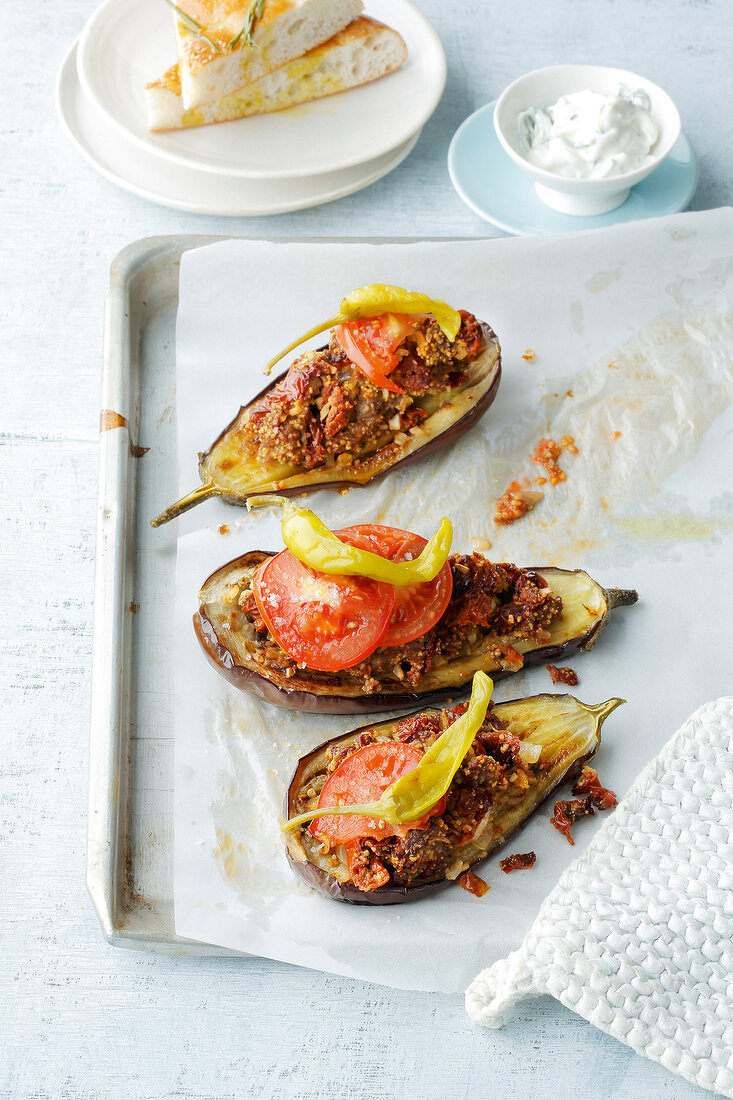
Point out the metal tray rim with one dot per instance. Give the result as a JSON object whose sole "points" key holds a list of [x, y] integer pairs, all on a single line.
{"points": [[109, 745]]}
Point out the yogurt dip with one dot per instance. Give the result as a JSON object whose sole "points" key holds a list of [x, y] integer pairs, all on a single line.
{"points": [[587, 135]]}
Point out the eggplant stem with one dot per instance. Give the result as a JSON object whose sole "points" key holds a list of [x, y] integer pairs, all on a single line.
{"points": [[601, 711], [620, 597], [203, 492]]}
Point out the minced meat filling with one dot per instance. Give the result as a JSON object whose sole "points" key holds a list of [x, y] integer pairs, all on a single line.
{"points": [[512, 602], [499, 601], [492, 767], [326, 409]]}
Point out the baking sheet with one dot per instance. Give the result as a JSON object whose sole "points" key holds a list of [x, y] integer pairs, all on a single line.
{"points": [[631, 333], [130, 825]]}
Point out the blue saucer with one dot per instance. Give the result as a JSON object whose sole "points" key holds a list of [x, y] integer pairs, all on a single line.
{"points": [[501, 193]]}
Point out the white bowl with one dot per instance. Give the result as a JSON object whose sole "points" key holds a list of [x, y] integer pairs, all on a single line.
{"points": [[542, 88]]}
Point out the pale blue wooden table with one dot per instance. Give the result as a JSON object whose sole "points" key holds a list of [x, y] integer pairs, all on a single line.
{"points": [[81, 1019]]}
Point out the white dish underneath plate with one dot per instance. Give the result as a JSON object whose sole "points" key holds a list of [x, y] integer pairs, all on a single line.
{"points": [[135, 169]]}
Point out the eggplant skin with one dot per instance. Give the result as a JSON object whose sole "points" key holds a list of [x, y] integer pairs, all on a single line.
{"points": [[346, 891], [326, 698], [463, 424], [331, 887]]}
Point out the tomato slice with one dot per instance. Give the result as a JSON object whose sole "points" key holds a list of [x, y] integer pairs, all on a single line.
{"points": [[327, 623], [371, 342], [385, 333], [370, 364], [363, 777], [417, 607]]}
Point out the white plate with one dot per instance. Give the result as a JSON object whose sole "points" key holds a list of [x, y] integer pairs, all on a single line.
{"points": [[128, 43], [126, 164]]}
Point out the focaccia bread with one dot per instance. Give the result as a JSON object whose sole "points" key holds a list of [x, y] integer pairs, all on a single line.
{"points": [[363, 51], [222, 61]]}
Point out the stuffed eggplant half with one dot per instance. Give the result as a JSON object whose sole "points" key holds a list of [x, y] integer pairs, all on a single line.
{"points": [[387, 389], [422, 799], [352, 625]]}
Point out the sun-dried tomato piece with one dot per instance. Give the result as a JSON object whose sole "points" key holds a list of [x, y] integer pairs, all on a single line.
{"points": [[546, 455], [472, 883], [470, 333], [567, 812], [589, 783], [562, 675], [511, 658], [418, 727], [367, 872], [449, 715], [515, 502], [248, 606], [336, 410], [518, 862]]}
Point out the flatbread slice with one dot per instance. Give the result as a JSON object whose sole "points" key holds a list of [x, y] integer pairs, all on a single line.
{"points": [[219, 60], [363, 51]]}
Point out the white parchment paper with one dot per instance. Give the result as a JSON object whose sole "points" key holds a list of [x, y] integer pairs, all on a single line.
{"points": [[632, 330]]}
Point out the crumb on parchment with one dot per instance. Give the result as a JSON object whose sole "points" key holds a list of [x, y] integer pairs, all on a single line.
{"points": [[518, 499], [515, 502], [518, 862], [562, 675]]}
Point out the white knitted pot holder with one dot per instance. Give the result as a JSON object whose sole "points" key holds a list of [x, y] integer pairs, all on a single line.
{"points": [[637, 936]]}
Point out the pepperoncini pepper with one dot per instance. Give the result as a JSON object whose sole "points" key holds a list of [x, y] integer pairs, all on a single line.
{"points": [[413, 795], [371, 301], [310, 541]]}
